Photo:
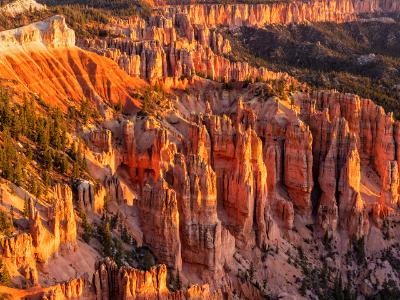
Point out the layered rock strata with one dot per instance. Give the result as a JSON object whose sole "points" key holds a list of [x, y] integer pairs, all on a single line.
{"points": [[52, 33], [171, 47], [32, 57], [349, 132], [179, 197], [280, 12]]}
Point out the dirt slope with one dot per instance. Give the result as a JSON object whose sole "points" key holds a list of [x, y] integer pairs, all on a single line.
{"points": [[60, 75]]}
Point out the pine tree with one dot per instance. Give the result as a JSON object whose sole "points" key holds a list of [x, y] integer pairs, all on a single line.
{"points": [[73, 151], [18, 175], [35, 187], [252, 271], [8, 154], [5, 278], [64, 165], [6, 223], [338, 288], [43, 134], [107, 240], [178, 284], [75, 170], [26, 207], [87, 228], [85, 110], [46, 179], [48, 159]]}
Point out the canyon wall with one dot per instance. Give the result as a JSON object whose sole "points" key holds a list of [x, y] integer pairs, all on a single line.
{"points": [[279, 12], [112, 282], [51, 229], [179, 42], [230, 176], [178, 205], [170, 47], [177, 59]]}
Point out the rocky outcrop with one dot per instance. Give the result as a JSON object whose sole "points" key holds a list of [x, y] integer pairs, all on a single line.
{"points": [[19, 251], [375, 130], [279, 12], [72, 289], [63, 214], [241, 174], [298, 166], [147, 156], [52, 33], [169, 46], [200, 229], [339, 178], [92, 198], [178, 203], [348, 132], [111, 282], [56, 229], [178, 42], [114, 189], [376, 6], [101, 139], [25, 54], [152, 61], [160, 222], [275, 13], [50, 230], [18, 248]]}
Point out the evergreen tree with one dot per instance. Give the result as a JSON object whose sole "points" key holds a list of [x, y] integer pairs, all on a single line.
{"points": [[6, 224], [338, 288], [252, 271], [178, 284], [63, 164], [46, 179], [48, 159], [87, 228], [75, 170], [18, 175], [26, 207], [5, 278], [35, 188], [107, 240], [43, 134]]}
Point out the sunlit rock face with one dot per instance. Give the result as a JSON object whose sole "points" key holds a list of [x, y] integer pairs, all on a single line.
{"points": [[183, 41], [53, 33]]}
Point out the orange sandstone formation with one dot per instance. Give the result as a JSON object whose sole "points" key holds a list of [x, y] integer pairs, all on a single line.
{"points": [[215, 183], [42, 58]]}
